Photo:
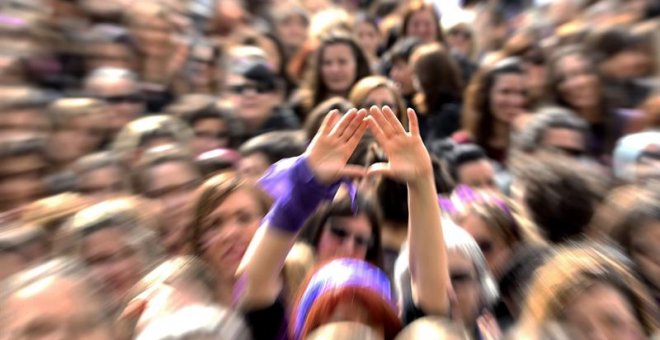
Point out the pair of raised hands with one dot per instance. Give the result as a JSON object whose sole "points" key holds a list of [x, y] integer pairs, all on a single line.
{"points": [[333, 145]]}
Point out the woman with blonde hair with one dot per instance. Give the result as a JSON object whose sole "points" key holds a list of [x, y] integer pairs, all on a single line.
{"points": [[590, 292], [379, 91]]}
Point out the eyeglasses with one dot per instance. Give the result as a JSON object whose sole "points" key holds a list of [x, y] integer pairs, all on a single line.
{"points": [[124, 98], [173, 190], [256, 87], [461, 33], [459, 278], [370, 104], [343, 235]]}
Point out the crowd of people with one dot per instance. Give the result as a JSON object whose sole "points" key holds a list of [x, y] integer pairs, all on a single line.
{"points": [[329, 169]]}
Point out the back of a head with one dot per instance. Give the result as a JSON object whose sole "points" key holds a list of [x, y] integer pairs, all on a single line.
{"points": [[275, 145], [559, 193], [344, 330], [433, 328]]}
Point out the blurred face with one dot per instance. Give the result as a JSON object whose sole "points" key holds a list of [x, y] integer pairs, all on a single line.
{"points": [[173, 183], [338, 68], [477, 174], [253, 102], [380, 97], [460, 40], [24, 120], [21, 180], [78, 138], [70, 313], [401, 74], [466, 301], [568, 141], [124, 100], [113, 260], [629, 64], [102, 183], [646, 251], [253, 166], [229, 230], [578, 83], [422, 25], [494, 248], [293, 31], [508, 97], [348, 237], [210, 134], [368, 38], [602, 312]]}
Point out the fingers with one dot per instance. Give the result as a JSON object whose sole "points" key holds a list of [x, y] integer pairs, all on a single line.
{"points": [[392, 119], [413, 122], [329, 122], [379, 134], [387, 128], [355, 124], [354, 139], [353, 171], [344, 122], [380, 169]]}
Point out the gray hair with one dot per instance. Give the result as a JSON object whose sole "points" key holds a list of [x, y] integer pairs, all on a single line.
{"points": [[456, 239], [529, 138]]}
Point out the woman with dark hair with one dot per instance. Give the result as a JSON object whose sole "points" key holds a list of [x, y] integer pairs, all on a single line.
{"points": [[421, 20], [638, 234], [337, 65], [345, 289], [440, 89], [573, 82], [367, 33], [337, 230], [495, 97]]}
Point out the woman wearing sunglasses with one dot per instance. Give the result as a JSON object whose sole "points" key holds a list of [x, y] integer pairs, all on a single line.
{"points": [[344, 229], [344, 289]]}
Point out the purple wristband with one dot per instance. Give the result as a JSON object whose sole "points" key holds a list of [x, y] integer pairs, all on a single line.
{"points": [[296, 191]]}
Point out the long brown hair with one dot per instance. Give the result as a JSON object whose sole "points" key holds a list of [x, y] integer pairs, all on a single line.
{"points": [[478, 119], [419, 6], [438, 75], [314, 84], [212, 194]]}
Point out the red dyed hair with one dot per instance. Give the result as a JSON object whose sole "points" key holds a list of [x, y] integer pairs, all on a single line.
{"points": [[381, 312]]}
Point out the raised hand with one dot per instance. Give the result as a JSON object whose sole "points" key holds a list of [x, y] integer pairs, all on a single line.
{"points": [[409, 161], [334, 144]]}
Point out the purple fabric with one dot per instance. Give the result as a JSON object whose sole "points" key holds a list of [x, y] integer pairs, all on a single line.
{"points": [[340, 274], [296, 191]]}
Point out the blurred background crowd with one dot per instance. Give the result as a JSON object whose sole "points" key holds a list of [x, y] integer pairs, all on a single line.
{"points": [[133, 135]]}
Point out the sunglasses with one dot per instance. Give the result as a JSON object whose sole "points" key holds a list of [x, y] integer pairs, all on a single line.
{"points": [[486, 246], [258, 88], [462, 34], [461, 278], [125, 98], [343, 235]]}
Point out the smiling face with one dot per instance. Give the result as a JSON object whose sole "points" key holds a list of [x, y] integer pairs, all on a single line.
{"points": [[422, 25], [228, 231], [338, 68], [508, 97], [578, 84]]}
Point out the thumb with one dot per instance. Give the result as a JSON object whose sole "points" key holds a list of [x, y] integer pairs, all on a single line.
{"points": [[380, 169], [353, 171]]}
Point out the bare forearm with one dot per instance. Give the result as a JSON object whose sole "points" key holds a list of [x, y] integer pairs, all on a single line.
{"points": [[428, 259], [262, 264]]}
